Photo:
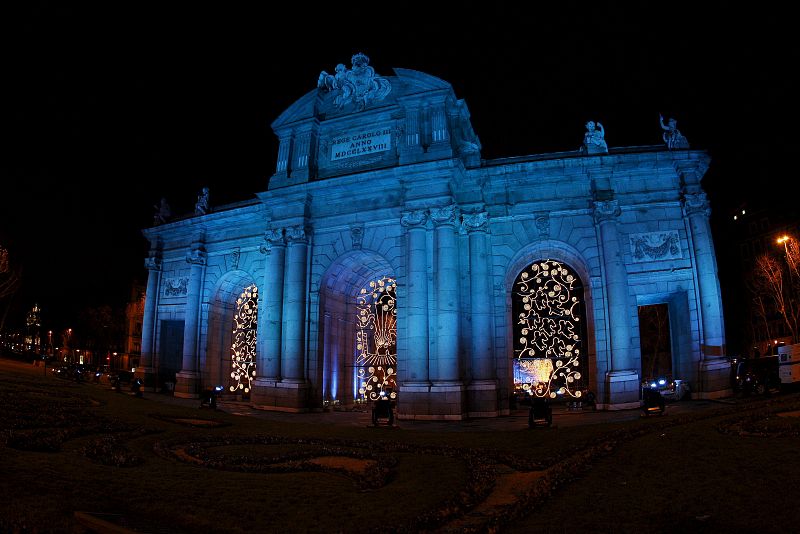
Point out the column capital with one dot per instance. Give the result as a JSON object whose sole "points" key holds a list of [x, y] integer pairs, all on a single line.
{"points": [[153, 263], [445, 215], [297, 234], [272, 238], [476, 222], [606, 210], [696, 203], [411, 219], [196, 257]]}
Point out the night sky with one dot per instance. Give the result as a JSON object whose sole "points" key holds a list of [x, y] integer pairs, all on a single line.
{"points": [[109, 108]]}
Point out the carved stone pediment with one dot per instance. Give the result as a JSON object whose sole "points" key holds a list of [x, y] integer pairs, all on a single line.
{"points": [[358, 86]]}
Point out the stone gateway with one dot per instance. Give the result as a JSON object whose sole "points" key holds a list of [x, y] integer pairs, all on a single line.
{"points": [[387, 259]]}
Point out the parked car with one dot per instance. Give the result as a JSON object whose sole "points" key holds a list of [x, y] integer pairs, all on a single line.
{"points": [[755, 375], [670, 389]]}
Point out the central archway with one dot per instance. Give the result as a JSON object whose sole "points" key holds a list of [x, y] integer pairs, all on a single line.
{"points": [[358, 336], [376, 340]]}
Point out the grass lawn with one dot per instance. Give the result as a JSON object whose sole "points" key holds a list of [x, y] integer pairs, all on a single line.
{"points": [[159, 467]]}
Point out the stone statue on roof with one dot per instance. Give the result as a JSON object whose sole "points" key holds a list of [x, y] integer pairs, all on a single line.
{"points": [[202, 206], [673, 138], [163, 212], [594, 140]]}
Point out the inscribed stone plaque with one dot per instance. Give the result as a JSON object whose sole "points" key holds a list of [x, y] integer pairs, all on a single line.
{"points": [[361, 143]]}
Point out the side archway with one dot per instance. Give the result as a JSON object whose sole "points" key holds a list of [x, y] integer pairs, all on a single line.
{"points": [[232, 334], [550, 323]]}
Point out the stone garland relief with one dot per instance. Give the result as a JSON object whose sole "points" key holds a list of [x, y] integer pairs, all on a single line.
{"points": [[654, 246], [176, 287]]}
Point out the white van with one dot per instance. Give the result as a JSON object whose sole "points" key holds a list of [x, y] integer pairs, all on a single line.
{"points": [[789, 366]]}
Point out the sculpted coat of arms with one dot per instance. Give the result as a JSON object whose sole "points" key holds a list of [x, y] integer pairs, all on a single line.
{"points": [[358, 86]]}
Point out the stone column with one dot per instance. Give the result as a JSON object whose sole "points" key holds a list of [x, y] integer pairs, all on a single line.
{"points": [[416, 305], [145, 370], [188, 379], [294, 306], [697, 211], [446, 281], [483, 367], [270, 314], [714, 367], [482, 390], [623, 378]]}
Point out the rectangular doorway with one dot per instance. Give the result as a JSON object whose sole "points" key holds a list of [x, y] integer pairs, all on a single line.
{"points": [[655, 341]]}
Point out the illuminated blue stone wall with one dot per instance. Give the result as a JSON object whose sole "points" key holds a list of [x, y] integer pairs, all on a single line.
{"points": [[385, 179]]}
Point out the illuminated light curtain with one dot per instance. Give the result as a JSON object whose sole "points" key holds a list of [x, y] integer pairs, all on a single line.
{"points": [[376, 340], [243, 359], [549, 331]]}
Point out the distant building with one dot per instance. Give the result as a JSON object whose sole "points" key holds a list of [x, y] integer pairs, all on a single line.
{"points": [[387, 258], [33, 329], [134, 315], [754, 230]]}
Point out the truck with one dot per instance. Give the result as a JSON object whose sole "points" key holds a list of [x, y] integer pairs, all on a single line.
{"points": [[789, 364]]}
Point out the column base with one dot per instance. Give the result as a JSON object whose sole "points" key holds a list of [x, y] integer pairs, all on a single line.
{"points": [[482, 399], [437, 402], [623, 390], [280, 395], [187, 385], [148, 377], [715, 379]]}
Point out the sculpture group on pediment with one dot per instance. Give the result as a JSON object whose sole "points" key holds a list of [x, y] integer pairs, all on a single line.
{"points": [[359, 85]]}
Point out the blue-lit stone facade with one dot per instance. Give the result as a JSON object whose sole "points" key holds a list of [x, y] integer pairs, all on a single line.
{"points": [[381, 178]]}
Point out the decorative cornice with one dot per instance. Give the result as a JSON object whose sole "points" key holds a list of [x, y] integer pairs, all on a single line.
{"points": [[606, 210], [444, 215], [476, 222], [411, 219]]}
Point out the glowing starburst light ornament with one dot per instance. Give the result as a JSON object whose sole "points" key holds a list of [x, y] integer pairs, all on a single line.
{"points": [[376, 339]]}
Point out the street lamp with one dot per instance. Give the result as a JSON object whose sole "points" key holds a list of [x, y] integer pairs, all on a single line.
{"points": [[792, 252]]}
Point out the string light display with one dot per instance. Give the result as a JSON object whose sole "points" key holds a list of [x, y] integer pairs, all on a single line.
{"points": [[548, 306], [376, 340], [243, 360]]}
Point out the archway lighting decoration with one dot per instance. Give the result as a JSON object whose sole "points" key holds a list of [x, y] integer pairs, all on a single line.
{"points": [[376, 340], [548, 307], [243, 360]]}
